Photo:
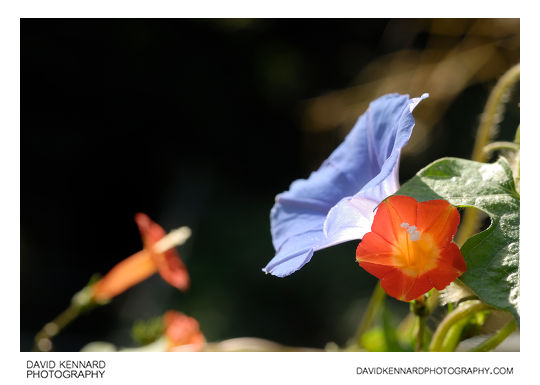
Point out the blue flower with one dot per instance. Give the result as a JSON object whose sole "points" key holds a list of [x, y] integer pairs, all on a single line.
{"points": [[337, 202]]}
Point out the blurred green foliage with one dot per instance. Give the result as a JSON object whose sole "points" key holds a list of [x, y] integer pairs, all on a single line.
{"points": [[145, 332]]}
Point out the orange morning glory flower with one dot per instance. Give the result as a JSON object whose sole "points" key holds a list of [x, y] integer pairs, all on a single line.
{"points": [[158, 255], [182, 332], [410, 247]]}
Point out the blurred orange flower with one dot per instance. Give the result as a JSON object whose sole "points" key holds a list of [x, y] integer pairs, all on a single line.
{"points": [[410, 247], [158, 255], [182, 332]]}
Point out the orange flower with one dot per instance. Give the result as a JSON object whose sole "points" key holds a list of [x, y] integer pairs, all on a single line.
{"points": [[158, 255], [410, 247], [182, 332]]}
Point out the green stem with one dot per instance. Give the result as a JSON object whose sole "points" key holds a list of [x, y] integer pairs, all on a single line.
{"points": [[432, 301], [81, 302], [420, 333], [492, 111], [421, 309], [494, 341], [42, 341], [494, 146], [377, 298], [463, 311], [453, 336]]}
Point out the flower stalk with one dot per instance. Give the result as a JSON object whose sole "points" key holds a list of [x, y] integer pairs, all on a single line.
{"points": [[420, 309], [497, 146], [494, 341], [491, 116], [81, 302], [493, 111], [374, 305], [462, 312], [453, 336]]}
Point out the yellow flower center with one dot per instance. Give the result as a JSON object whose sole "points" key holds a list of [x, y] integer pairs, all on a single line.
{"points": [[415, 252]]}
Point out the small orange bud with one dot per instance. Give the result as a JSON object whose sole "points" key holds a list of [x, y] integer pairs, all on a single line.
{"points": [[182, 332]]}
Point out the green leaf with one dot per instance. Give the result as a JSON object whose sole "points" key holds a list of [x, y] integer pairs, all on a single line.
{"points": [[492, 256]]}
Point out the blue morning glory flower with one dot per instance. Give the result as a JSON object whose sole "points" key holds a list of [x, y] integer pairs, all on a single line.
{"points": [[336, 203]]}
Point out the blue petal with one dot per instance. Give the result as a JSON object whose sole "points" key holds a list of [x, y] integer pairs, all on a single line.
{"points": [[352, 217], [359, 174]]}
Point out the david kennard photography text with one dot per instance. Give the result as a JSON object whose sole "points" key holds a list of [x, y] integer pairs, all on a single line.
{"points": [[65, 369]]}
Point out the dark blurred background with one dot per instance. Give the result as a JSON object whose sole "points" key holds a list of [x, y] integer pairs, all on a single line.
{"points": [[201, 123]]}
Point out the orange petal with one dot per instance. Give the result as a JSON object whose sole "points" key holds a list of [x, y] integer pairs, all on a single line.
{"points": [[439, 219], [375, 269], [172, 269], [453, 253], [405, 287], [195, 344], [391, 214], [125, 274], [170, 266], [421, 286], [375, 249], [150, 231], [375, 255], [450, 266], [397, 284]]}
